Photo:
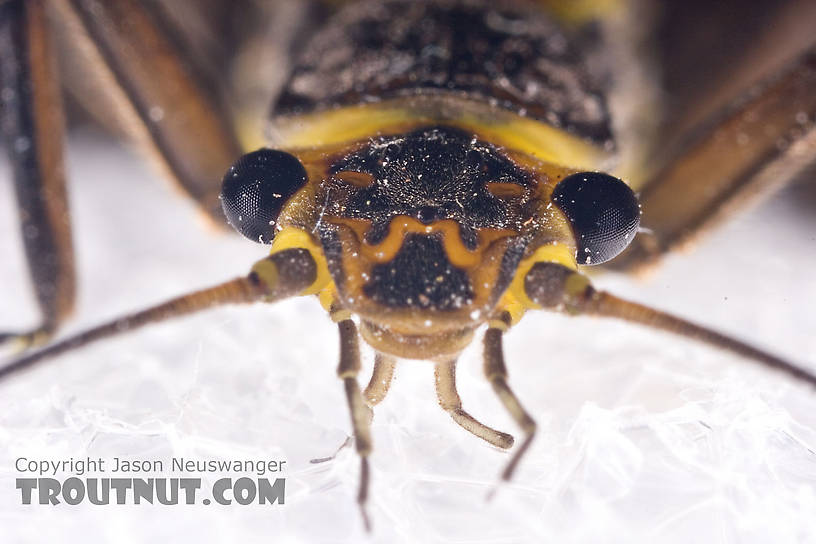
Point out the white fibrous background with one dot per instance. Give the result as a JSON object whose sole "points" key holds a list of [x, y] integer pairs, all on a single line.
{"points": [[643, 437]]}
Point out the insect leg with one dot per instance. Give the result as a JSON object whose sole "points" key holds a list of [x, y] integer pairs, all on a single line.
{"points": [[496, 373], [380, 381], [281, 275], [31, 120], [140, 71], [347, 370], [373, 394], [445, 378], [766, 140], [556, 287]]}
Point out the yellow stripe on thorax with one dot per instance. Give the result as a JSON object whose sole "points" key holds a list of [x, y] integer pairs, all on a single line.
{"points": [[580, 12], [490, 123]]}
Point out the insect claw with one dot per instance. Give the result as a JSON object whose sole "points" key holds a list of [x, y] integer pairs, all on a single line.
{"points": [[362, 496], [491, 494], [507, 473], [366, 519], [346, 443]]}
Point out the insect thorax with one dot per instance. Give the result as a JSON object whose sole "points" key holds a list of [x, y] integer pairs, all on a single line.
{"points": [[509, 54]]}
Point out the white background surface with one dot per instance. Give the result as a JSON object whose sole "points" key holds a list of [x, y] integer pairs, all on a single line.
{"points": [[643, 438]]}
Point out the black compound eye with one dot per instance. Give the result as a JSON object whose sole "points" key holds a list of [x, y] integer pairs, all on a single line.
{"points": [[255, 190], [603, 211]]}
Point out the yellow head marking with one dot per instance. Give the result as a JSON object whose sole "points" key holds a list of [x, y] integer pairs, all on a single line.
{"points": [[515, 300]]}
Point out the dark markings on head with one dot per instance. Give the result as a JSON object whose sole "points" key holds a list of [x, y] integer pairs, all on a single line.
{"points": [[420, 276], [432, 174], [333, 251], [509, 53], [510, 261]]}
